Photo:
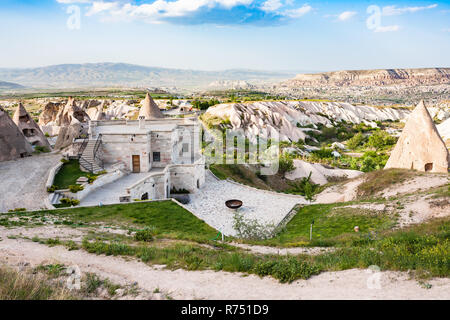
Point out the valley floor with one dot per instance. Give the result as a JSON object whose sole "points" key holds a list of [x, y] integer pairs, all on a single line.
{"points": [[360, 284]]}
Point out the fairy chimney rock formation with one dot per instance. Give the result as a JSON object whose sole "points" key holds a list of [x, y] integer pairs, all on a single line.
{"points": [[420, 146], [150, 109], [13, 144], [29, 128]]}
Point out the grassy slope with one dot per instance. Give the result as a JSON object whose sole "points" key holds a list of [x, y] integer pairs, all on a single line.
{"points": [[165, 217], [69, 174], [333, 224]]}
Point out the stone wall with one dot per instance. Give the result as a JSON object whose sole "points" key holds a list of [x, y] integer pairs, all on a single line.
{"points": [[121, 147]]}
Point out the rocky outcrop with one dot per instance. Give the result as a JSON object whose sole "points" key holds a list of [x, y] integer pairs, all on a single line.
{"points": [[49, 113], [150, 109], [13, 143], [287, 117], [67, 134], [29, 128], [444, 131], [63, 118], [420, 146], [382, 77]]}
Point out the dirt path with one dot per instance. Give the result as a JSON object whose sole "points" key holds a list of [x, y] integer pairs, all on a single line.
{"points": [[181, 284], [281, 251], [22, 182]]}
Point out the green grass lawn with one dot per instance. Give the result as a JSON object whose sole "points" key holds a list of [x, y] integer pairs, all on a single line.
{"points": [[332, 224], [68, 174], [165, 218]]}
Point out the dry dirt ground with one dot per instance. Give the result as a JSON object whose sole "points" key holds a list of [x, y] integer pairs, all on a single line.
{"points": [[22, 182], [182, 284], [348, 191]]}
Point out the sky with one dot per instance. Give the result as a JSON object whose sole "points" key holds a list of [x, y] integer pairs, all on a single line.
{"points": [[282, 35]]}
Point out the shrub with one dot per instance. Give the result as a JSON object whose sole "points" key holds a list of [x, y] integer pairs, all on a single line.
{"points": [[144, 235], [70, 202], [52, 189], [286, 164], [17, 210], [304, 187], [41, 149], [75, 188], [64, 160], [380, 139], [293, 269], [252, 229], [354, 142]]}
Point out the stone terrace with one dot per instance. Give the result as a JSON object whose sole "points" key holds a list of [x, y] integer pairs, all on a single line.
{"points": [[209, 204]]}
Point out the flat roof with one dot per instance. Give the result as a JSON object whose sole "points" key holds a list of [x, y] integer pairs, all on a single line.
{"points": [[134, 129]]}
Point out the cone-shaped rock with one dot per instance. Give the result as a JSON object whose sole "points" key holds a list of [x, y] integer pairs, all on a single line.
{"points": [[420, 146], [150, 109], [13, 144], [70, 112], [29, 127]]}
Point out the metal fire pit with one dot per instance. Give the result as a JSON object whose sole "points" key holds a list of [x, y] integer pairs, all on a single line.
{"points": [[234, 204]]}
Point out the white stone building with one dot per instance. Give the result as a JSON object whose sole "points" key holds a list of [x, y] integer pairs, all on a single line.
{"points": [[168, 149]]}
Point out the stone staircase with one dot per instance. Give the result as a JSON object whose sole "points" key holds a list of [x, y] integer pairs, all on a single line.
{"points": [[55, 198], [87, 159]]}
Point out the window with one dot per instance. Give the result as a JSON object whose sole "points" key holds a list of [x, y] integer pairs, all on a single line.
{"points": [[156, 156]]}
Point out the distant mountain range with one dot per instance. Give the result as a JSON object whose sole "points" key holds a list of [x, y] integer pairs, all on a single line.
{"points": [[9, 85], [380, 77], [128, 75]]}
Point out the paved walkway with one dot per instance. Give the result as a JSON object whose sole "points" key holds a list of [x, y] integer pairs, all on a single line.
{"points": [[111, 192], [209, 204], [22, 182]]}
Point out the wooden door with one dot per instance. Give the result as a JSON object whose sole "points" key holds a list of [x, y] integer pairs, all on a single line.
{"points": [[136, 164]]}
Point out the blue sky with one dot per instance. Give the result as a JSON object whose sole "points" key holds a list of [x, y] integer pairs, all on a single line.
{"points": [[292, 35]]}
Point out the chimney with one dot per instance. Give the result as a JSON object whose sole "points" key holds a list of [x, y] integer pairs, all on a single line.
{"points": [[141, 122]]}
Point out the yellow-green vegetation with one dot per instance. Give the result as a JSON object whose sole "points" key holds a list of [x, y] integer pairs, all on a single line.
{"points": [[332, 225], [165, 219], [379, 180], [69, 173], [16, 285], [422, 250]]}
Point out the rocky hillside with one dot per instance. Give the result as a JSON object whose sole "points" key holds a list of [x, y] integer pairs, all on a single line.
{"points": [[9, 85], [289, 118], [127, 75], [382, 77]]}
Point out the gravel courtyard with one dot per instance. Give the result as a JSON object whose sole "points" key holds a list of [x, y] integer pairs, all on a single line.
{"points": [[22, 182], [209, 204]]}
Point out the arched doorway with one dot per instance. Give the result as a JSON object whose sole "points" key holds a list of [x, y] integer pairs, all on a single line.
{"points": [[144, 196]]}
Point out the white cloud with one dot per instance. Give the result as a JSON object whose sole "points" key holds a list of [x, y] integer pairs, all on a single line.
{"points": [[271, 5], [387, 28], [98, 7], [394, 10], [297, 13], [346, 15], [73, 1], [160, 8]]}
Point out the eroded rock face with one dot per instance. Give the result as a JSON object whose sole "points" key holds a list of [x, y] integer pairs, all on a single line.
{"points": [[13, 143], [30, 128], [49, 113], [67, 134], [262, 118], [410, 77], [52, 123], [420, 146]]}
